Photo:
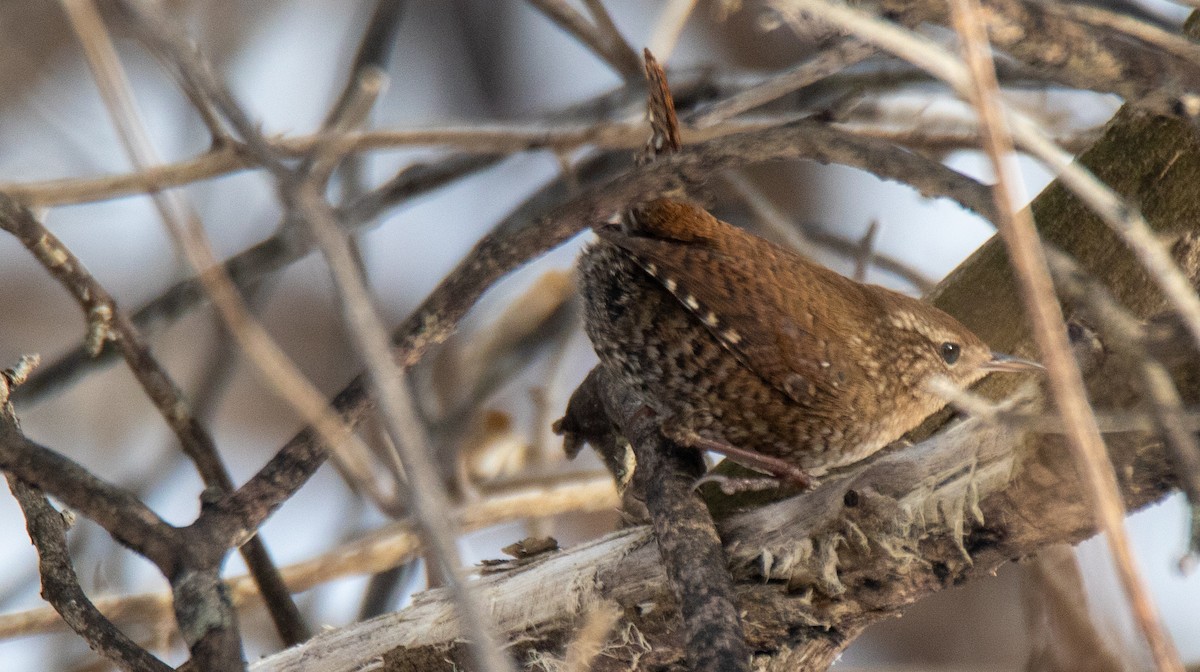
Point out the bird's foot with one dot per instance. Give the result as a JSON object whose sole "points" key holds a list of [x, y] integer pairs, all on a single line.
{"points": [[786, 473]]}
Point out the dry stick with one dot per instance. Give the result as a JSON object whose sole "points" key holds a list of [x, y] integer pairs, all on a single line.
{"points": [[1123, 332], [351, 111], [481, 142], [427, 496], [228, 158], [939, 141], [60, 585], [374, 53], [843, 54], [617, 55], [163, 36], [122, 515], [1049, 329], [483, 138], [375, 50], [865, 251]]}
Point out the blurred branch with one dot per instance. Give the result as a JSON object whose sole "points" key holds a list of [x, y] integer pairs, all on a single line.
{"points": [[1061, 631], [426, 496], [479, 139], [1050, 332], [375, 51]]}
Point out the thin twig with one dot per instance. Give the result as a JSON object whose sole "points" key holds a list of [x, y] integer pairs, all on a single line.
{"points": [[60, 585], [375, 50], [830, 60], [479, 139], [427, 497], [865, 252], [122, 515], [1050, 332]]}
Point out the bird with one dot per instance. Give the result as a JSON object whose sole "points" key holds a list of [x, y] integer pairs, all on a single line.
{"points": [[749, 349]]}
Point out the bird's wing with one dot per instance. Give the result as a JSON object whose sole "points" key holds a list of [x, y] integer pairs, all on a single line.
{"points": [[752, 296]]}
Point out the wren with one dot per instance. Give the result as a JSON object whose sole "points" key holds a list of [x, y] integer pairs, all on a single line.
{"points": [[739, 344]]}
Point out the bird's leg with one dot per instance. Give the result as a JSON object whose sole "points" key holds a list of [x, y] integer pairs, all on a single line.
{"points": [[783, 473]]}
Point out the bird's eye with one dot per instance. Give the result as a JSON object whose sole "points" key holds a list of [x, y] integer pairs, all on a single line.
{"points": [[950, 352]]}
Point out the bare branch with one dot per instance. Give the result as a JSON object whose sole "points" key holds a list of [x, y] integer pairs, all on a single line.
{"points": [[60, 586]]}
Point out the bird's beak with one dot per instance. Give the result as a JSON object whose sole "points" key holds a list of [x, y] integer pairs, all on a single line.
{"points": [[1002, 362]]}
